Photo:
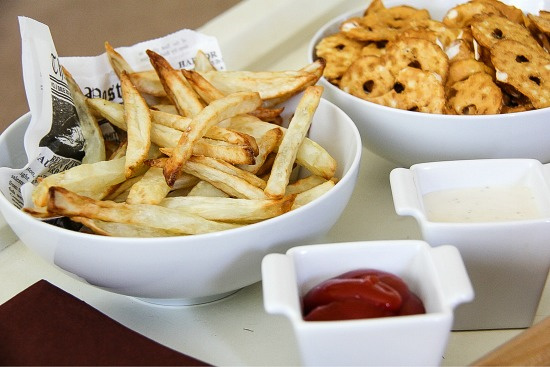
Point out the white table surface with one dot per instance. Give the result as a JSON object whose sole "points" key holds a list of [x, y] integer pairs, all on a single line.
{"points": [[236, 330]]}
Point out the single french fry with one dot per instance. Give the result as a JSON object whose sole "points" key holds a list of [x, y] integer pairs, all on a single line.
{"points": [[293, 138], [231, 169], [165, 107], [233, 137], [39, 212], [230, 153], [86, 179], [304, 184], [175, 86], [148, 82], [313, 193], [315, 69], [138, 125], [269, 84], [203, 188], [231, 184], [210, 93], [94, 144], [117, 61], [267, 144], [265, 169], [120, 192], [227, 182], [267, 114], [202, 62], [202, 86], [212, 114], [273, 86], [120, 150], [150, 189], [67, 203], [115, 229], [230, 209]]}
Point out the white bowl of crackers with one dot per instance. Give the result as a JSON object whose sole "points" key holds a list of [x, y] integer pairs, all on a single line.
{"points": [[442, 80], [204, 236]]}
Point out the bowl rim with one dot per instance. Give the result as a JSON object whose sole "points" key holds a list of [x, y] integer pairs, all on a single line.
{"points": [[349, 175], [323, 31]]}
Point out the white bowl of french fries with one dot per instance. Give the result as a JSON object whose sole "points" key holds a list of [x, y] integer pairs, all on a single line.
{"points": [[185, 218], [442, 80]]}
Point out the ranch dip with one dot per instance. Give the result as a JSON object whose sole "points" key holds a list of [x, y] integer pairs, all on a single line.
{"points": [[481, 204]]}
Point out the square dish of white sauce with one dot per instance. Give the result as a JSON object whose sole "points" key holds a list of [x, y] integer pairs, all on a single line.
{"points": [[497, 213]]}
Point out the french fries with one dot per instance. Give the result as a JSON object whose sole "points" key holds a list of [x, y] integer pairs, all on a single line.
{"points": [[138, 125], [293, 138], [210, 155], [219, 110], [64, 202], [94, 144]]}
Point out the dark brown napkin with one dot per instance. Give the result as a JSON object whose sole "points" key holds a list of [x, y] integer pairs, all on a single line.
{"points": [[44, 325]]}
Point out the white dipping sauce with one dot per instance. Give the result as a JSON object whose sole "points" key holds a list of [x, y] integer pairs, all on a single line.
{"points": [[481, 204]]}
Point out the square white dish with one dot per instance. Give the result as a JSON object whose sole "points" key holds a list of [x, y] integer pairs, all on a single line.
{"points": [[507, 258], [436, 275]]}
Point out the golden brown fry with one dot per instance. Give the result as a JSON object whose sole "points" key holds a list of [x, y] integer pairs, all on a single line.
{"points": [[304, 184], [148, 82], [165, 107], [269, 84], [86, 179], [265, 169], [115, 229], [309, 195], [293, 138], [120, 151], [228, 182], [230, 153], [231, 169], [175, 86], [315, 69], [230, 209], [267, 144], [221, 109], [150, 189], [231, 184], [233, 137], [120, 192], [118, 63], [267, 114], [94, 144], [138, 125], [67, 203], [203, 188], [209, 93], [39, 212], [202, 86], [273, 86], [202, 62]]}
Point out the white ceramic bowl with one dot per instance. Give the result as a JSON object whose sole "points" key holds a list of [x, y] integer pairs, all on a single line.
{"points": [[436, 275], [508, 258], [406, 137], [190, 269]]}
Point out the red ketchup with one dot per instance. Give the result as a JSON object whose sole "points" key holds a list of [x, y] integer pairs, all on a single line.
{"points": [[360, 294]]}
